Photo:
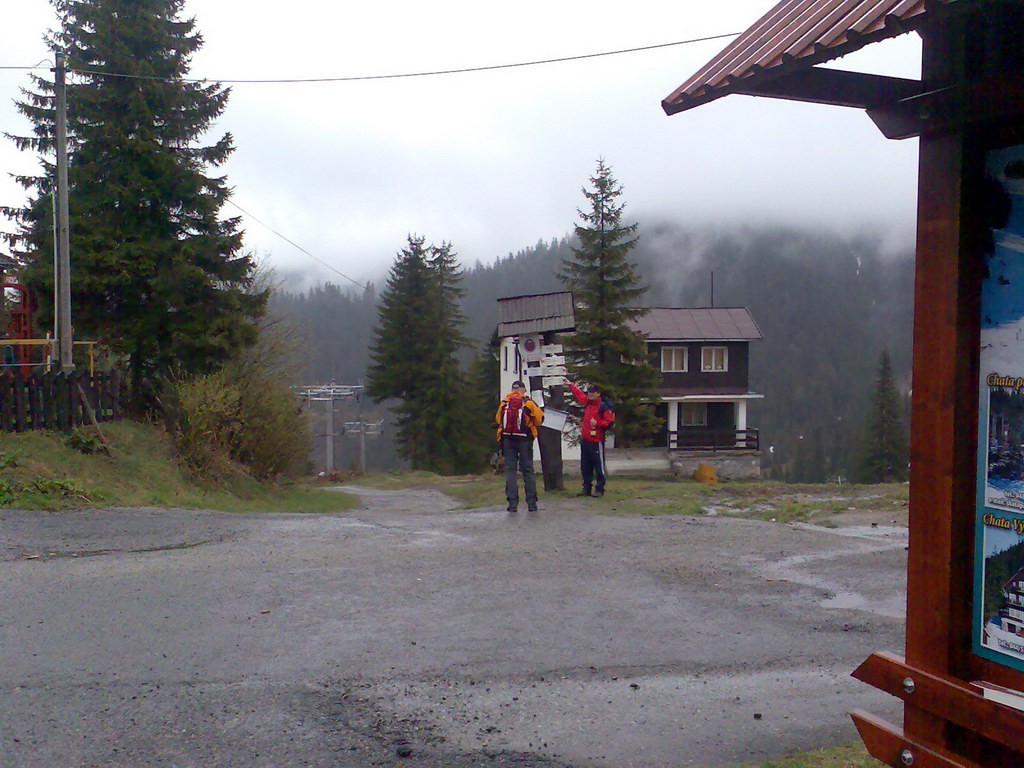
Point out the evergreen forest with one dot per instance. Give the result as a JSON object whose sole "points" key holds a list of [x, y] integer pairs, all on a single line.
{"points": [[827, 306]]}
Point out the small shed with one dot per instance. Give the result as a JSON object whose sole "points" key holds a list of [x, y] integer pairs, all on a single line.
{"points": [[527, 325]]}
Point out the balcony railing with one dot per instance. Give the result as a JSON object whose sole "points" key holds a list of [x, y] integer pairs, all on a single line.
{"points": [[700, 438]]}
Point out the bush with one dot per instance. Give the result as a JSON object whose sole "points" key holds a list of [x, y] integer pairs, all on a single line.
{"points": [[238, 420]]}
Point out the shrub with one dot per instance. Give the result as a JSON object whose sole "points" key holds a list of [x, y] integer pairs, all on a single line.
{"points": [[238, 420]]}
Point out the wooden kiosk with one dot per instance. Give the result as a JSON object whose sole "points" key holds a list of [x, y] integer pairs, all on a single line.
{"points": [[967, 444]]}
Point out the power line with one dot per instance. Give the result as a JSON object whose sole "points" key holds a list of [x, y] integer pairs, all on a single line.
{"points": [[292, 242], [406, 74]]}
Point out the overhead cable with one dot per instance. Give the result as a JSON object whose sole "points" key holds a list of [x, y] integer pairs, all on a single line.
{"points": [[404, 74], [292, 242]]}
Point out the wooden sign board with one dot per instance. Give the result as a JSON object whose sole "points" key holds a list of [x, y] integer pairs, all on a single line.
{"points": [[998, 616]]}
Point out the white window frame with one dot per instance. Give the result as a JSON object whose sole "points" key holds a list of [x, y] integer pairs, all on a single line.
{"points": [[684, 351], [702, 415], [705, 367]]}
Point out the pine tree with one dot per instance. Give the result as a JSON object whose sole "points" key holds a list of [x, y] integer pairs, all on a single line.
{"points": [[414, 359], [156, 274], [604, 350], [883, 456]]}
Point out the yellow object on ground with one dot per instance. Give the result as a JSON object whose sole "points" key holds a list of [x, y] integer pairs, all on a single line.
{"points": [[705, 473]]}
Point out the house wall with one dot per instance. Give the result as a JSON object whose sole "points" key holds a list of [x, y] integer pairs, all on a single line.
{"points": [[728, 466], [721, 416], [737, 376]]}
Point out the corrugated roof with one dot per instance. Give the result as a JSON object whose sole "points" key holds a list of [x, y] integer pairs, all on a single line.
{"points": [[536, 313], [797, 34], [706, 324]]}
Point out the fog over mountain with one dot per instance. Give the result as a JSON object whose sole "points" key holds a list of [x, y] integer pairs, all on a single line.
{"points": [[827, 304]]}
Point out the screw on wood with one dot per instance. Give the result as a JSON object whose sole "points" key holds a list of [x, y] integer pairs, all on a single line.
{"points": [[907, 757], [908, 684]]}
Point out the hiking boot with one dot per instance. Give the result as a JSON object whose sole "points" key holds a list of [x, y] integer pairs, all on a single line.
{"points": [[599, 493], [512, 508], [532, 509], [584, 492]]}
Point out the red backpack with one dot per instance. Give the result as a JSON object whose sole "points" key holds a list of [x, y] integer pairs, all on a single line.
{"points": [[515, 419]]}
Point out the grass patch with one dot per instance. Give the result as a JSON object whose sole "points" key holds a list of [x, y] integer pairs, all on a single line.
{"points": [[849, 756], [43, 470], [758, 500]]}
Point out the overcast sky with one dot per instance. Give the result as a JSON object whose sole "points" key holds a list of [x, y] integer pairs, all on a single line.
{"points": [[494, 161]]}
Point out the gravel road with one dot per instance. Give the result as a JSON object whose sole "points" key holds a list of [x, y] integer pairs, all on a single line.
{"points": [[407, 632]]}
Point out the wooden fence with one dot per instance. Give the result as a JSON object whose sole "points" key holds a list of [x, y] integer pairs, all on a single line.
{"points": [[57, 401]]}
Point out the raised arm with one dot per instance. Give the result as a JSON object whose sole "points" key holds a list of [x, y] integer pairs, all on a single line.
{"points": [[580, 396]]}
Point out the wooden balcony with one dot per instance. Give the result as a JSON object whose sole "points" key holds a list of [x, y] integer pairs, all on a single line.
{"points": [[703, 439]]}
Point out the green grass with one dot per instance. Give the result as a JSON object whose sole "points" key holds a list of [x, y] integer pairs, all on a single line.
{"points": [[849, 756], [40, 470], [759, 500]]}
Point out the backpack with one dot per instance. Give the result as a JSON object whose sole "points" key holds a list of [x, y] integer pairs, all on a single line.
{"points": [[607, 405], [515, 419]]}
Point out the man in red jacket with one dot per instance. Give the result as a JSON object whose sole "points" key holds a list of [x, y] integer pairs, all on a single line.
{"points": [[597, 417]]}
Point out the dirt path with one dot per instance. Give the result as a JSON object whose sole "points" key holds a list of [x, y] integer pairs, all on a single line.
{"points": [[407, 632]]}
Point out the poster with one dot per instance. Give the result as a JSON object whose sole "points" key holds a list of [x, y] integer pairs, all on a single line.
{"points": [[999, 531]]}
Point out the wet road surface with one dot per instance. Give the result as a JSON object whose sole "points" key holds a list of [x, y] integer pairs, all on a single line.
{"points": [[411, 633]]}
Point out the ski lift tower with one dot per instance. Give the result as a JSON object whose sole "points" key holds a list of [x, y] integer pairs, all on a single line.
{"points": [[329, 394]]}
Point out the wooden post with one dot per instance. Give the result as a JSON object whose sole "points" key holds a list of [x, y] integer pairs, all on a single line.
{"points": [[550, 442], [959, 49]]}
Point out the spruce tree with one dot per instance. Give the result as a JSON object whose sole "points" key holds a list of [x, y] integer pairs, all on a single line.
{"points": [[414, 359], [157, 275], [606, 287], [883, 456]]}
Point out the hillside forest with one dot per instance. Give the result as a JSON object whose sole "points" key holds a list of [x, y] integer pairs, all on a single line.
{"points": [[827, 305]]}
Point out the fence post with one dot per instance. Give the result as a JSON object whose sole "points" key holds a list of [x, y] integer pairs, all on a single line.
{"points": [[35, 401], [74, 400], [6, 412], [19, 402]]}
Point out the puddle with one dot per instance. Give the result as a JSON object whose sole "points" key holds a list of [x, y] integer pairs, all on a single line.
{"points": [[869, 532], [838, 595]]}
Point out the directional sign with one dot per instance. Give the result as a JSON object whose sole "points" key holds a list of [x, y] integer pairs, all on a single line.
{"points": [[551, 349], [554, 370], [553, 360], [530, 347]]}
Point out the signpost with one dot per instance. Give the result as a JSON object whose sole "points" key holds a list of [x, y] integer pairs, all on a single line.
{"points": [[550, 370]]}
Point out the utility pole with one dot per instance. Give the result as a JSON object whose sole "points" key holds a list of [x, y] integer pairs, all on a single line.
{"points": [[329, 444], [329, 394], [62, 278], [361, 466]]}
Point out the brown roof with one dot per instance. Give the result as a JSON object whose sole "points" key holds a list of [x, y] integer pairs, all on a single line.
{"points": [[707, 324], [536, 313], [795, 35]]}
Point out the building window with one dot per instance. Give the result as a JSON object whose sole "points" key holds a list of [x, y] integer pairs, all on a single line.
{"points": [[504, 365], [693, 414], [673, 359], [714, 359]]}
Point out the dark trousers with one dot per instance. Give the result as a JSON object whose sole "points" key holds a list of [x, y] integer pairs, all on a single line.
{"points": [[518, 453], [591, 464]]}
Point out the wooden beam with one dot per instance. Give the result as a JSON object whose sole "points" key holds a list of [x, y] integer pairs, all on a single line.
{"points": [[949, 109], [889, 745], [950, 699], [833, 86]]}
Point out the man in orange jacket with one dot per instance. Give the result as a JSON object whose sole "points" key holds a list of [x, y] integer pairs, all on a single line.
{"points": [[597, 417], [518, 418]]}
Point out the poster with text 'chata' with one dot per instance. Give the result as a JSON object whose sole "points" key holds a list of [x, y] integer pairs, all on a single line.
{"points": [[999, 528]]}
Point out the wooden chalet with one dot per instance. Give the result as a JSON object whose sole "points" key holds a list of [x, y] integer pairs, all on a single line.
{"points": [[704, 358]]}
